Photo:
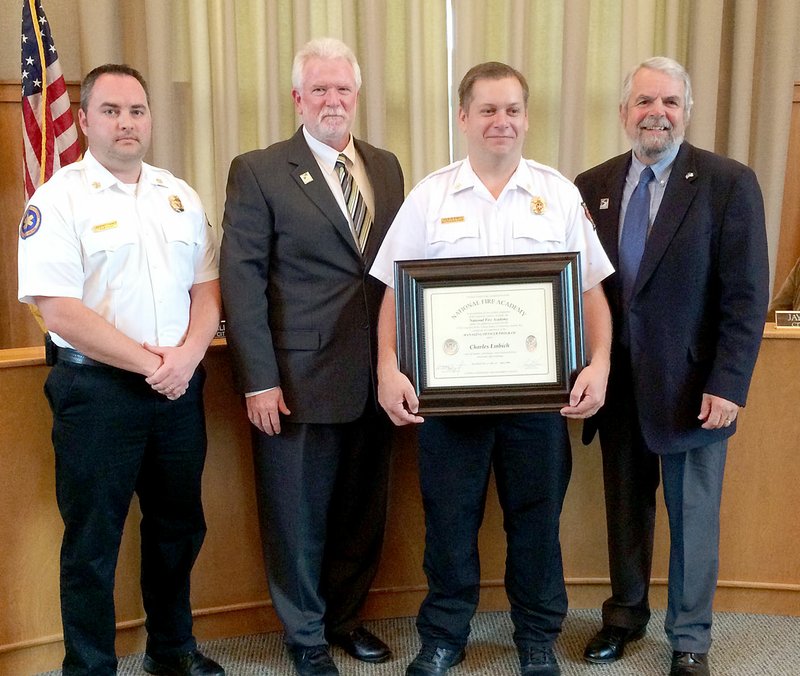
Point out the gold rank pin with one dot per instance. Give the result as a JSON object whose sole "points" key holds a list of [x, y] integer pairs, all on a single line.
{"points": [[175, 203]]}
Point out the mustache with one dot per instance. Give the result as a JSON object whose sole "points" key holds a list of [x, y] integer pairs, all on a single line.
{"points": [[652, 121]]}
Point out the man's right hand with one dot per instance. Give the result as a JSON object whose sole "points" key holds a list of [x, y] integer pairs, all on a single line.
{"points": [[396, 395], [264, 410]]}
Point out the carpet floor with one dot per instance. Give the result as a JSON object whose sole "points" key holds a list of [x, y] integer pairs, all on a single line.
{"points": [[744, 645]]}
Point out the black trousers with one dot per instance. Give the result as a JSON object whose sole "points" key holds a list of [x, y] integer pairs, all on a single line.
{"points": [[321, 492], [531, 457], [113, 436]]}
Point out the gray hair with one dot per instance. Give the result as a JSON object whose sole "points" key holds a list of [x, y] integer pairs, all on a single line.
{"points": [[667, 66], [323, 48]]}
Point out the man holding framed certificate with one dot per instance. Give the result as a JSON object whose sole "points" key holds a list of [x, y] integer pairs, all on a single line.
{"points": [[493, 203]]}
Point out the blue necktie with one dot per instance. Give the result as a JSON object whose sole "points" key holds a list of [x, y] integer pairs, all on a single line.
{"points": [[634, 233]]}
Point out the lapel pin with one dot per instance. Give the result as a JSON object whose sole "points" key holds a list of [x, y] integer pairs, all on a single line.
{"points": [[604, 203], [690, 176], [306, 178]]}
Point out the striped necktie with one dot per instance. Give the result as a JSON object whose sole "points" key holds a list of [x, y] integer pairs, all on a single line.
{"points": [[362, 219]]}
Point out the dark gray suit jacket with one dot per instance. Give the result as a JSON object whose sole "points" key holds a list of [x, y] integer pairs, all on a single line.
{"points": [[301, 309], [697, 311]]}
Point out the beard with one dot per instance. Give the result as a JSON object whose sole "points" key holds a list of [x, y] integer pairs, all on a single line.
{"points": [[655, 146]]}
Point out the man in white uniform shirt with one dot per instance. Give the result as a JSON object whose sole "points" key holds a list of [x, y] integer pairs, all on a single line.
{"points": [[119, 259], [492, 203]]}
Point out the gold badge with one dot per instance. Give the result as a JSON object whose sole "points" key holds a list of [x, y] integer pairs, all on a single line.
{"points": [[306, 178], [537, 206], [175, 203], [96, 185], [452, 219]]}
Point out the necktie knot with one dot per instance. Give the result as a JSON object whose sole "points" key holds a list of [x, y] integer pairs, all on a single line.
{"points": [[645, 177]]}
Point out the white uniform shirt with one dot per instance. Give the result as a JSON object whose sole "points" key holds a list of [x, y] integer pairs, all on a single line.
{"points": [[450, 213], [130, 253]]}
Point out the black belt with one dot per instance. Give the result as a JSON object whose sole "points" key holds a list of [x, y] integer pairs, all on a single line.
{"points": [[67, 354]]}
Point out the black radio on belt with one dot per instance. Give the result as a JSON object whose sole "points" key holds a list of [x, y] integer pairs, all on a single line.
{"points": [[50, 350]]}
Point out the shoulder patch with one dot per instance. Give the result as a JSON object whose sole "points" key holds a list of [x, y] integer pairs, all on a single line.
{"points": [[30, 222]]}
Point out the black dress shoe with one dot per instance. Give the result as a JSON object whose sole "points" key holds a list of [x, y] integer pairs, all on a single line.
{"points": [[608, 644], [188, 664], [434, 661], [312, 661], [538, 661], [362, 644], [689, 664]]}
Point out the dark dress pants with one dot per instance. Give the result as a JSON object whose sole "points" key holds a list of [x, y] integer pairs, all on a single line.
{"points": [[631, 478], [113, 436], [692, 482], [530, 455], [322, 493]]}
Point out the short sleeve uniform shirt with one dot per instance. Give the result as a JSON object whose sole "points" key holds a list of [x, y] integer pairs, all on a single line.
{"points": [[450, 213], [130, 253]]}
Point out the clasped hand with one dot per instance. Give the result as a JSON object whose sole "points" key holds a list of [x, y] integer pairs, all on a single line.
{"points": [[172, 377]]}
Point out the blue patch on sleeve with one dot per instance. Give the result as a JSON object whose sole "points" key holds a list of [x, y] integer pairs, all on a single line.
{"points": [[30, 222]]}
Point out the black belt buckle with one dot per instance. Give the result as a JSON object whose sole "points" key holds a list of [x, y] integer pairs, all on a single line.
{"points": [[50, 350]]}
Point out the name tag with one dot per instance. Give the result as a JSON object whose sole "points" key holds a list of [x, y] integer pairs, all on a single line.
{"points": [[453, 219], [104, 226]]}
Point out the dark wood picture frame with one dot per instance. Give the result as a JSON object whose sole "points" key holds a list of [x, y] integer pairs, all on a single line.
{"points": [[560, 270]]}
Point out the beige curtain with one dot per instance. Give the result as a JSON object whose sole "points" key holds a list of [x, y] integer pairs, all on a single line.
{"points": [[740, 53], [219, 71]]}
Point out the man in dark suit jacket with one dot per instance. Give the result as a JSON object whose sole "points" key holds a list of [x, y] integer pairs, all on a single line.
{"points": [[301, 318], [687, 328]]}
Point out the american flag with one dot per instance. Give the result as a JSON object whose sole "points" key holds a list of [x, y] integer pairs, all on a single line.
{"points": [[50, 137]]}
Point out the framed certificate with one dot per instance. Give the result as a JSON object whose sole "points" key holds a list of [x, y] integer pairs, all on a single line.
{"points": [[493, 334]]}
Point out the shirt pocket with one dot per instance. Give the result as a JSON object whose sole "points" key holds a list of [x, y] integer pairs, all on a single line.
{"points": [[182, 242], [110, 247], [548, 234], [448, 237]]}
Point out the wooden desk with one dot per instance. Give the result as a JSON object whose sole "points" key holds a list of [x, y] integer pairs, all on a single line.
{"points": [[760, 549]]}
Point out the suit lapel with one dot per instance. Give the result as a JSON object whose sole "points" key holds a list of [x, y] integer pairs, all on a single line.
{"points": [[678, 195], [607, 209], [304, 166]]}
